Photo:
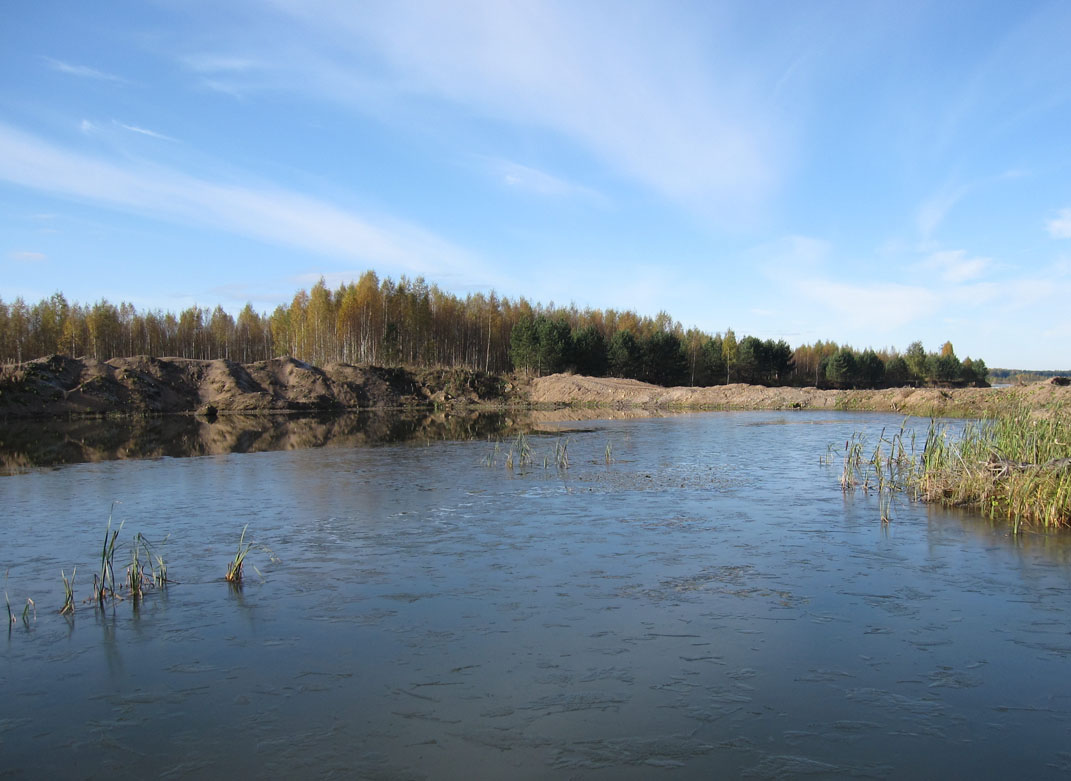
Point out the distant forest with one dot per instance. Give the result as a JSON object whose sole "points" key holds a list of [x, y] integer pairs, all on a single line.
{"points": [[1013, 376], [416, 324]]}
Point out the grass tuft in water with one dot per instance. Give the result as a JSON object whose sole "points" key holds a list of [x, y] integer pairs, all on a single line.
{"points": [[104, 581], [237, 564], [159, 570], [235, 569], [68, 592], [492, 458], [137, 580], [561, 453]]}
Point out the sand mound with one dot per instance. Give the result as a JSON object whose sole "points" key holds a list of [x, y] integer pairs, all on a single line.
{"points": [[558, 389]]}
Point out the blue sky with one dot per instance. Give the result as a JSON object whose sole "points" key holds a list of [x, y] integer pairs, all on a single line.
{"points": [[872, 173]]}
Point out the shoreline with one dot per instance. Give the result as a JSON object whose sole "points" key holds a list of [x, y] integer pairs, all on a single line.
{"points": [[612, 393], [58, 387]]}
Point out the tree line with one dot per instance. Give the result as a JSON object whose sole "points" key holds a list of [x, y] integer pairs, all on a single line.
{"points": [[543, 344], [413, 323]]}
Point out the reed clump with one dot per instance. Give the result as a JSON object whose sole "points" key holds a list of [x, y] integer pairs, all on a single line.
{"points": [[236, 566], [1014, 467], [68, 592], [104, 580], [147, 569], [521, 454], [561, 453]]}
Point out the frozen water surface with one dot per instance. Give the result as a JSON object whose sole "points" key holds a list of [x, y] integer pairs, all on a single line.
{"points": [[706, 605]]}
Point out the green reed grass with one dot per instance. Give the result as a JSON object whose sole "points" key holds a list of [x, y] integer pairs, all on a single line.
{"points": [[68, 592], [492, 458], [561, 453], [235, 568], [137, 581], [237, 564], [104, 581], [159, 570], [1015, 467]]}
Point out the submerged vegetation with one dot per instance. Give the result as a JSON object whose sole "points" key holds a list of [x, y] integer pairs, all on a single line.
{"points": [[146, 571], [104, 581], [1014, 467], [28, 611], [236, 566], [521, 454], [68, 592]]}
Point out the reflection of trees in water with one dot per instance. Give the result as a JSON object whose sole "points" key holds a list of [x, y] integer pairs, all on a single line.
{"points": [[26, 444]]}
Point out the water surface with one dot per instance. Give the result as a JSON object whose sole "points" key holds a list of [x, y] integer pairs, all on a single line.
{"points": [[707, 604]]}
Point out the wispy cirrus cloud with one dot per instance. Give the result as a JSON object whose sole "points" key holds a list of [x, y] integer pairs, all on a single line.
{"points": [[688, 126], [144, 131], [897, 308], [932, 212], [81, 71], [1060, 226], [89, 127], [208, 62], [237, 75], [956, 266], [27, 257], [533, 180], [266, 213]]}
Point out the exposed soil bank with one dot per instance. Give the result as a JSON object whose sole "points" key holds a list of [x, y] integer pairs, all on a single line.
{"points": [[61, 386], [967, 402]]}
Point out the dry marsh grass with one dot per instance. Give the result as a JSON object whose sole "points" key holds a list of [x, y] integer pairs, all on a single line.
{"points": [[1014, 467]]}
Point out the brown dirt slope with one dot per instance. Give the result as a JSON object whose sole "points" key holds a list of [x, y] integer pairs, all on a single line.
{"points": [[565, 389], [62, 386], [58, 386]]}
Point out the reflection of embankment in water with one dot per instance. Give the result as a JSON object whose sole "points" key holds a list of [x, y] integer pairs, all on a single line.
{"points": [[27, 444], [549, 419]]}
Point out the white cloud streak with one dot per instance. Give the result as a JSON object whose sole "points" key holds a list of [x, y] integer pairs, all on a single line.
{"points": [[82, 71], [1060, 225], [532, 180], [145, 132], [954, 266], [27, 257], [955, 301], [686, 126], [882, 306], [267, 214], [934, 210]]}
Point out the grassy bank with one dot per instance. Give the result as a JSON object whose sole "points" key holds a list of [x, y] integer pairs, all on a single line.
{"points": [[1014, 467]]}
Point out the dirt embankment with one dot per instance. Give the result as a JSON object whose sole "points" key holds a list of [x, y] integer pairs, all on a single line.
{"points": [[62, 386], [58, 386], [561, 389]]}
